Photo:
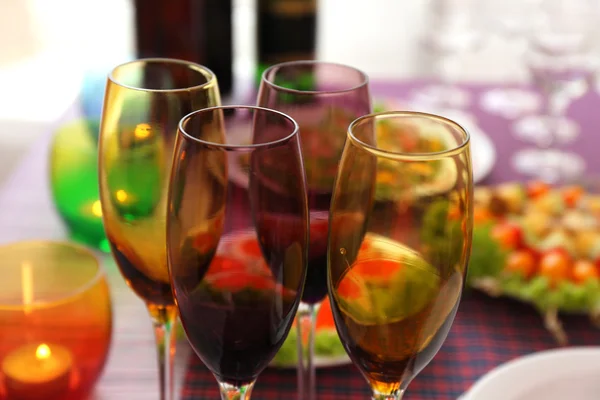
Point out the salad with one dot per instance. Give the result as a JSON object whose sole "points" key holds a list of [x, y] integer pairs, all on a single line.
{"points": [[539, 244]]}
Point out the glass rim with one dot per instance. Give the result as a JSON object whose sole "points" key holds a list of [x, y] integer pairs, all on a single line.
{"points": [[63, 297], [237, 147], [210, 76], [363, 83], [404, 156]]}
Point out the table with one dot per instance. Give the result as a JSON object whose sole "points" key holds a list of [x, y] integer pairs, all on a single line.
{"points": [[486, 331], [26, 212]]}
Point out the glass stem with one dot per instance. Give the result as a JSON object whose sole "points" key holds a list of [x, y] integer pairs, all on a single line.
{"points": [[163, 319], [231, 392], [307, 319], [554, 110]]}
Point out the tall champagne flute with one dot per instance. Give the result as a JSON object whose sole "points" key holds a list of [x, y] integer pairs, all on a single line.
{"points": [[143, 103], [238, 180], [323, 98], [399, 243]]}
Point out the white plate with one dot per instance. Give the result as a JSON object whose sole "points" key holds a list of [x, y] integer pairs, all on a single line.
{"points": [[483, 151], [483, 154], [561, 374]]}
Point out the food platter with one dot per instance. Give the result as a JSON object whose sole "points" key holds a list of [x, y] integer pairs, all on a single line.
{"points": [[321, 157], [540, 245]]}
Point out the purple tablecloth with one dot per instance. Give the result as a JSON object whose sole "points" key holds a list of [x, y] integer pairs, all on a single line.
{"points": [[585, 110]]}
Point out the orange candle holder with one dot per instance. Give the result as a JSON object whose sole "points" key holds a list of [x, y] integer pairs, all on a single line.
{"points": [[55, 321]]}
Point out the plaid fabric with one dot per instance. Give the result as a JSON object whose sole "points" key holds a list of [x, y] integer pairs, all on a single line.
{"points": [[486, 333]]}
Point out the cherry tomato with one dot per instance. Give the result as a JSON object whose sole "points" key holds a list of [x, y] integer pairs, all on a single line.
{"points": [[572, 194], [522, 262], [349, 289], [204, 242], [251, 248], [481, 215], [227, 273], [325, 317], [221, 264], [508, 235], [365, 245], [584, 270], [537, 188], [454, 213], [555, 265], [376, 268]]}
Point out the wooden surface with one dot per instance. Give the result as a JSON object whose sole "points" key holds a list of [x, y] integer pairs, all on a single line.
{"points": [[26, 212]]}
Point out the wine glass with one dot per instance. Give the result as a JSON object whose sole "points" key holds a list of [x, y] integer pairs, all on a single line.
{"points": [[399, 242], [323, 98], [237, 238], [143, 103], [511, 21], [561, 62], [455, 31]]}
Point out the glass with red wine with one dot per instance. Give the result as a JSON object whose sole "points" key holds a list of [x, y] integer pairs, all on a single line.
{"points": [[399, 243], [323, 98], [237, 175]]}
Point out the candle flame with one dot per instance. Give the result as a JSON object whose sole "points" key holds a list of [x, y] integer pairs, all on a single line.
{"points": [[121, 195], [97, 208], [142, 131], [27, 286], [43, 352]]}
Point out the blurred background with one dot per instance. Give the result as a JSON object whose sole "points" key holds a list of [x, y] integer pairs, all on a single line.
{"points": [[57, 54], [520, 75], [50, 51]]}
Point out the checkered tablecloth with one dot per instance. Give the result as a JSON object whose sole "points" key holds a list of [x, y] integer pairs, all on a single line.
{"points": [[486, 333]]}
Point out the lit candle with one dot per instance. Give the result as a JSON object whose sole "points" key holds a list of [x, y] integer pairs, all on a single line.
{"points": [[37, 372], [92, 210]]}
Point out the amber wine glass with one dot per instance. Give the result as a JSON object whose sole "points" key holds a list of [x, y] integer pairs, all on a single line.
{"points": [[399, 243], [143, 104], [323, 98], [238, 181]]}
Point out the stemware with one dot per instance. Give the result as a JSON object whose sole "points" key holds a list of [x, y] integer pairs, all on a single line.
{"points": [[323, 98], [511, 21], [399, 242], [143, 103], [237, 238], [561, 63], [454, 32]]}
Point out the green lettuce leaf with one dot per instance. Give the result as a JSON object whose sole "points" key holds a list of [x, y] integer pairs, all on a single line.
{"points": [[487, 257], [327, 344]]}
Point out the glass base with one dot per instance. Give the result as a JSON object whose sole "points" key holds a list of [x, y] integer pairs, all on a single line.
{"points": [[441, 96], [545, 131], [509, 103], [551, 166]]}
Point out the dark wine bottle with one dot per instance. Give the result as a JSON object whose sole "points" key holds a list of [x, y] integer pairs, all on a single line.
{"points": [[286, 31], [194, 30]]}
